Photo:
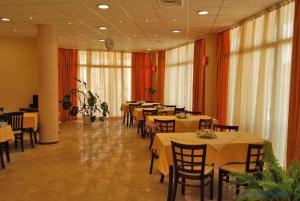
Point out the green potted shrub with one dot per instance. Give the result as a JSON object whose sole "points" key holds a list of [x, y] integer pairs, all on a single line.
{"points": [[276, 183], [89, 104]]}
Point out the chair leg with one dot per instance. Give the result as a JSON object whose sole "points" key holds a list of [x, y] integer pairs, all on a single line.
{"points": [[22, 141], [183, 186], [151, 163], [35, 137], [7, 151], [220, 185], [237, 190], [151, 140], [162, 178], [211, 188], [175, 187], [202, 190], [124, 117], [1, 157], [31, 138], [16, 141]]}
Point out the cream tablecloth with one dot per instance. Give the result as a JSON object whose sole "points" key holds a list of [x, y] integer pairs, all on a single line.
{"points": [[138, 112], [125, 106], [228, 147], [181, 125], [30, 120], [7, 134]]}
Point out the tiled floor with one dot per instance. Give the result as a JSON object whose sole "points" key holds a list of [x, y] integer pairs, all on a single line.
{"points": [[106, 161]]}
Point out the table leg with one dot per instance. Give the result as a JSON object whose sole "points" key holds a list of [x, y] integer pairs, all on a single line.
{"points": [[170, 190]]}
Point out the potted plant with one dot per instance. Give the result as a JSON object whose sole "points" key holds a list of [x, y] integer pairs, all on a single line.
{"points": [[89, 104], [152, 92], [275, 183]]}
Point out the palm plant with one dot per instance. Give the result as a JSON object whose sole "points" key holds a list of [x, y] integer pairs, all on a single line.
{"points": [[89, 103]]}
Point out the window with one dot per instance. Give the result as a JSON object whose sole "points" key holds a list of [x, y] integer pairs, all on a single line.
{"points": [[179, 76], [109, 75], [259, 76]]}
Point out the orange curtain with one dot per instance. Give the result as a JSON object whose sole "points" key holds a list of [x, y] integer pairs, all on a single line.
{"points": [[161, 76], [293, 143], [222, 74], [199, 76], [140, 76], [67, 69]]}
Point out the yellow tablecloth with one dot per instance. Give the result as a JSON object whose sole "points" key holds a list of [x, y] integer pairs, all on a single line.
{"points": [[228, 147], [138, 112], [190, 124], [30, 120], [6, 134], [125, 106]]}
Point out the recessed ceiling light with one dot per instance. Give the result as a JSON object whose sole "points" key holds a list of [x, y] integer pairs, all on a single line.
{"points": [[174, 20], [5, 19], [202, 12], [101, 40], [176, 31], [102, 28], [103, 6], [69, 23], [146, 20], [15, 30], [155, 35], [120, 21], [30, 18], [134, 35]]}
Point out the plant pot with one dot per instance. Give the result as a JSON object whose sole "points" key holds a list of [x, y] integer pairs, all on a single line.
{"points": [[87, 119]]}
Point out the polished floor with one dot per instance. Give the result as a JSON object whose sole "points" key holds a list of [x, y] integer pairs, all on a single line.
{"points": [[106, 161]]}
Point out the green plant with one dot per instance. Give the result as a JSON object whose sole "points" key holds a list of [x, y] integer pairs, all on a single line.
{"points": [[276, 184], [89, 102]]}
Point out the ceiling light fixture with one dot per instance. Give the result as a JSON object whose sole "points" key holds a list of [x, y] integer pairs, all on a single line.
{"points": [[149, 49], [5, 19], [155, 35], [103, 6], [15, 30], [101, 40], [102, 28], [30, 18], [174, 20], [202, 12], [176, 31], [146, 20], [69, 23], [120, 21]]}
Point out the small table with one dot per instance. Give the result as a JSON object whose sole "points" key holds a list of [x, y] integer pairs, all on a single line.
{"points": [[7, 134], [139, 116]]}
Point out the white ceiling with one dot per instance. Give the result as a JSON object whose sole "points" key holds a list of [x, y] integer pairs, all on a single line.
{"points": [[133, 33]]}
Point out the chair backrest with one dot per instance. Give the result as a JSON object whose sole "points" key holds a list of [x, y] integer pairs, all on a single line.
{"points": [[164, 126], [1, 109], [131, 101], [147, 106], [220, 127], [179, 109], [163, 113], [205, 123], [255, 158], [192, 112], [148, 112], [15, 120], [132, 106], [173, 106], [189, 159], [4, 118]]}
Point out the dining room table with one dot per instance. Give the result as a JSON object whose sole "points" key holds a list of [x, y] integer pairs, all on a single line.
{"points": [[226, 147], [6, 134], [139, 116], [188, 124], [125, 106]]}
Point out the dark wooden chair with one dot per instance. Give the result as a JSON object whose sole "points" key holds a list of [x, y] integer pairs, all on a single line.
{"points": [[30, 131], [172, 106], [134, 101], [147, 106], [125, 115], [254, 164], [190, 164], [161, 126], [162, 113], [16, 123], [179, 110], [1, 109], [222, 128], [130, 114], [192, 113], [205, 124], [146, 113]]}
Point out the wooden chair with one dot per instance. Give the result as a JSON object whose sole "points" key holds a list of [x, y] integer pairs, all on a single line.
{"points": [[222, 128], [125, 115], [16, 123], [161, 126], [134, 101], [179, 109], [254, 164], [163, 113], [172, 106], [205, 124], [130, 114], [147, 106], [190, 164], [146, 113], [1, 109], [193, 113]]}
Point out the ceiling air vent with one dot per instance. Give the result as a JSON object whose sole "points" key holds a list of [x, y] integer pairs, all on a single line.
{"points": [[169, 3]]}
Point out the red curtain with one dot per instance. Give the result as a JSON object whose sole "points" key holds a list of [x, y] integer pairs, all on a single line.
{"points": [[293, 143], [222, 74], [67, 69], [161, 76], [140, 76], [199, 76]]}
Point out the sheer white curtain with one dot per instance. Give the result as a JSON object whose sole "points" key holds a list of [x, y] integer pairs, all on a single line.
{"points": [[179, 76], [259, 76], [107, 74]]}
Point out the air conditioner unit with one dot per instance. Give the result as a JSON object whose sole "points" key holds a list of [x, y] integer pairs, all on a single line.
{"points": [[169, 3]]}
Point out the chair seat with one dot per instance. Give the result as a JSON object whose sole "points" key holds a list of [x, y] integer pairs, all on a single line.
{"points": [[234, 167], [17, 132], [208, 169]]}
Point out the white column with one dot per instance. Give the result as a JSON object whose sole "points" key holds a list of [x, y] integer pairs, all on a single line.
{"points": [[48, 83]]}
